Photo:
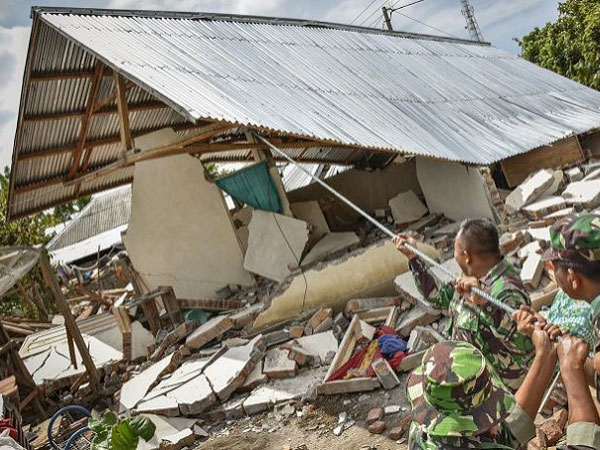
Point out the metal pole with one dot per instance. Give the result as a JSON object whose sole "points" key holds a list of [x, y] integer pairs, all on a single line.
{"points": [[388, 20], [391, 234]]}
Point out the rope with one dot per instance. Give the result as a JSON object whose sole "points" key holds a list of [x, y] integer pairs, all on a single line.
{"points": [[388, 232]]}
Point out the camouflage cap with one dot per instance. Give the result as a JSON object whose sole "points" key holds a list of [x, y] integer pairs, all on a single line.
{"points": [[456, 393], [575, 238]]}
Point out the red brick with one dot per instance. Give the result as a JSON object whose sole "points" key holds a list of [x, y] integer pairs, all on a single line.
{"points": [[374, 415], [377, 427], [551, 431]]}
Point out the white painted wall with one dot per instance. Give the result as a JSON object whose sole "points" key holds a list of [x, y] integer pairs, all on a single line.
{"points": [[457, 191], [180, 233]]}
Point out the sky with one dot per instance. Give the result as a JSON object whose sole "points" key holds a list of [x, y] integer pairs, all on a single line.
{"points": [[500, 21]]}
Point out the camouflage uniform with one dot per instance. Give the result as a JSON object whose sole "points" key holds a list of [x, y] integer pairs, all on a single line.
{"points": [[577, 239], [459, 402], [488, 328]]}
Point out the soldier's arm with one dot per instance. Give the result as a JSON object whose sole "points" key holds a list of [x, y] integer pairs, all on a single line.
{"points": [[438, 296]]}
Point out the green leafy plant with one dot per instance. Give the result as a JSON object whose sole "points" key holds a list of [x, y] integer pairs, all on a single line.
{"points": [[571, 45], [115, 434]]}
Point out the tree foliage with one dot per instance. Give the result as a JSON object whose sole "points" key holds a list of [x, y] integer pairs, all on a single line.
{"points": [[571, 45]]}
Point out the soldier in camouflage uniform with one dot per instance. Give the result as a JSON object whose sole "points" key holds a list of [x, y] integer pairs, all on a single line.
{"points": [[459, 402], [473, 320], [575, 257]]}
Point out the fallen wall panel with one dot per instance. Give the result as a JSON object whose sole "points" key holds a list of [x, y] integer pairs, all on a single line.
{"points": [[180, 233]]}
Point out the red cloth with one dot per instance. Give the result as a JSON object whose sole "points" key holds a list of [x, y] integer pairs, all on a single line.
{"points": [[13, 433]]}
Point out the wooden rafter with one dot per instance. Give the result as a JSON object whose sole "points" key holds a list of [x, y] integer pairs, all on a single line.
{"points": [[126, 138], [111, 97], [146, 106], [99, 142], [86, 118], [70, 75]]}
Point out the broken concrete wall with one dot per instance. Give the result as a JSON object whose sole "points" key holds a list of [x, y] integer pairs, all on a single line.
{"points": [[180, 233], [457, 191], [368, 273], [369, 190]]}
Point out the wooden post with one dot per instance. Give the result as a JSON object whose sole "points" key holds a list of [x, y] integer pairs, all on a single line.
{"points": [[264, 155], [126, 138], [69, 320], [171, 305]]}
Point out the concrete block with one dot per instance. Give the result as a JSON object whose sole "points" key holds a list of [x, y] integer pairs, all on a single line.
{"points": [[275, 245], [420, 315], [310, 212], [319, 345], [385, 374], [574, 174], [208, 331], [406, 207], [511, 241], [530, 190], [278, 365], [276, 337], [541, 208], [295, 332], [584, 193], [531, 272], [328, 245], [553, 217], [255, 378], [327, 324]]}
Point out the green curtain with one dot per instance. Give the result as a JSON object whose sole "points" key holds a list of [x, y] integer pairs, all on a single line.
{"points": [[253, 186]]}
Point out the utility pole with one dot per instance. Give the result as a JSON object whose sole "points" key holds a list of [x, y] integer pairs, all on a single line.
{"points": [[472, 25], [388, 20]]}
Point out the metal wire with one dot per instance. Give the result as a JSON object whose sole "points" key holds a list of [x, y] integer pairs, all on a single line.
{"points": [[390, 233]]}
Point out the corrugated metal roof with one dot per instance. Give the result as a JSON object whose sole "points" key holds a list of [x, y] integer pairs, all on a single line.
{"points": [[104, 212], [392, 92]]}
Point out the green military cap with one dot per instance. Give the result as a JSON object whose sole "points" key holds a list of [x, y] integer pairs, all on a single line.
{"points": [[575, 238], [456, 393]]}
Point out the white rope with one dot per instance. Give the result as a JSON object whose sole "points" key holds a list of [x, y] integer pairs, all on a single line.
{"points": [[356, 208]]}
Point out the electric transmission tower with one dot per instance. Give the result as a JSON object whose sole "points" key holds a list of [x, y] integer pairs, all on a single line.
{"points": [[472, 25]]}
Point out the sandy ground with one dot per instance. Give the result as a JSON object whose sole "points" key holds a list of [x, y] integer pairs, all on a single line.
{"points": [[283, 429]]}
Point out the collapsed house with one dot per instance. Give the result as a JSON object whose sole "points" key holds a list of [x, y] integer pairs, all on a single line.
{"points": [[419, 131]]}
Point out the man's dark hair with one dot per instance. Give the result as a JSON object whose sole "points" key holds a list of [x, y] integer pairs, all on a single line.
{"points": [[480, 236], [590, 270]]}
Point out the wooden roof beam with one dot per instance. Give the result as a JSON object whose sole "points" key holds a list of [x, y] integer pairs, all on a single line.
{"points": [[146, 106], [125, 130], [86, 119], [66, 75], [99, 142]]}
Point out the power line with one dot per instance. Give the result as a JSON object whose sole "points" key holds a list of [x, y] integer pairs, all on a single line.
{"points": [[374, 12], [391, 8], [429, 26], [363, 11]]}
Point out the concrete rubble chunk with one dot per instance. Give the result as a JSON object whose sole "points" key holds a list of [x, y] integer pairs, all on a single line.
{"points": [[278, 365], [532, 247], [541, 234], [243, 216], [310, 212], [529, 190], [511, 241], [255, 378], [134, 390], [328, 245], [574, 174], [317, 318], [275, 392], [584, 193], [531, 272], [385, 374], [276, 337], [411, 361], [553, 217], [208, 331], [406, 207], [558, 179], [230, 371], [275, 245], [541, 208], [366, 304], [318, 345], [166, 429], [552, 432], [245, 316], [420, 315]]}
